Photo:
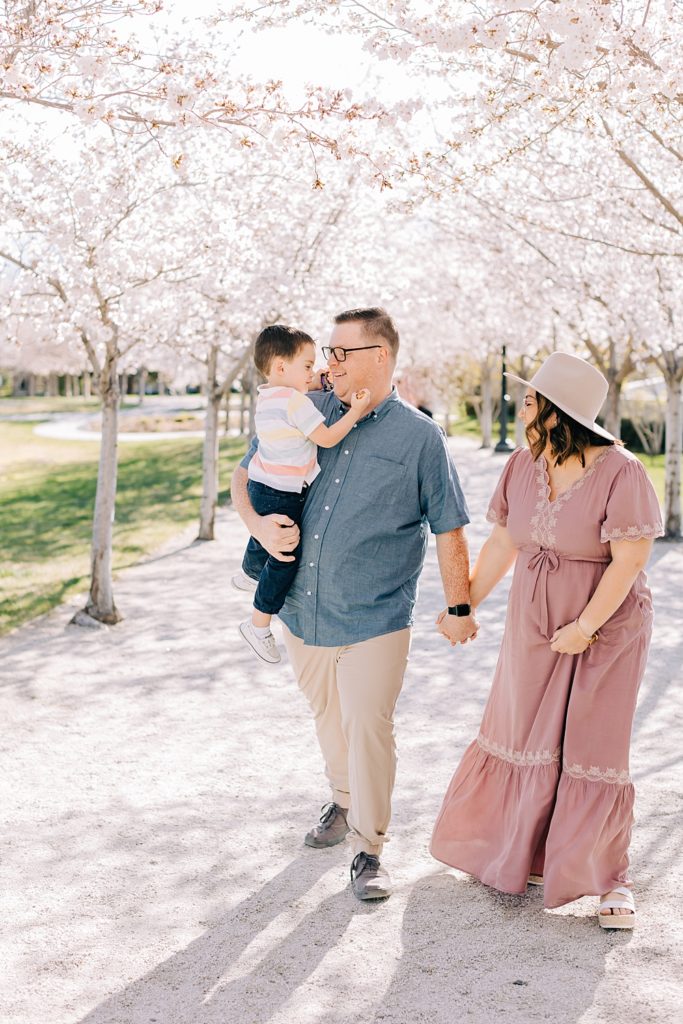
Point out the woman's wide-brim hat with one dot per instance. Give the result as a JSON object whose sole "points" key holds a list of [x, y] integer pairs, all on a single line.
{"points": [[574, 386]]}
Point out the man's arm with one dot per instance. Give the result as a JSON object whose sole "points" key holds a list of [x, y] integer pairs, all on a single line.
{"points": [[276, 533], [454, 563]]}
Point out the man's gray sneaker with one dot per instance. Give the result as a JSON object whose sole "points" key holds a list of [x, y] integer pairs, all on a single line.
{"points": [[332, 829], [369, 880]]}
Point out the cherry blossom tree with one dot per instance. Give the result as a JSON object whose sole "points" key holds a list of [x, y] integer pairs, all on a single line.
{"points": [[95, 244], [139, 67]]}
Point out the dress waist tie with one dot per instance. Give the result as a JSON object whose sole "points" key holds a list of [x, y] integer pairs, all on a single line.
{"points": [[543, 562]]}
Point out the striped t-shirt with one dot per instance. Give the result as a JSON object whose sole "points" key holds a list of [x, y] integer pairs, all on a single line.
{"points": [[285, 459]]}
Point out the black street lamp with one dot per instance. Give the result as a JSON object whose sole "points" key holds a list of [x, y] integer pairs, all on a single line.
{"points": [[504, 444]]}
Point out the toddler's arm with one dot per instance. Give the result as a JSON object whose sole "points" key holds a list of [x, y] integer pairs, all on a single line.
{"points": [[328, 437]]}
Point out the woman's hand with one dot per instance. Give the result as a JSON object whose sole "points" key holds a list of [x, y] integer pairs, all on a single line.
{"points": [[457, 629], [569, 640]]}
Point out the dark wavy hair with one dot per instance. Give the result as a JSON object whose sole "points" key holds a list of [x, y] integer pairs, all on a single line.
{"points": [[567, 437]]}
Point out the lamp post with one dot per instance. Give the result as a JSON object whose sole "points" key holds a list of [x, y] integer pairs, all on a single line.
{"points": [[504, 444]]}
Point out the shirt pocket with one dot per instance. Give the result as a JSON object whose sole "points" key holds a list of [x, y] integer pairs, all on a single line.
{"points": [[386, 478]]}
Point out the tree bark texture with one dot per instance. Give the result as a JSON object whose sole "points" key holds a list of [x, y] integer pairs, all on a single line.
{"points": [[674, 447], [486, 410], [100, 603], [207, 509]]}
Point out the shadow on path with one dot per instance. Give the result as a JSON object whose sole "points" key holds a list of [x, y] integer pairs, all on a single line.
{"points": [[220, 978], [471, 953]]}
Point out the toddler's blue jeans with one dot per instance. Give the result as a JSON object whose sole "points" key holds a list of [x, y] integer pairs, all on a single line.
{"points": [[275, 577]]}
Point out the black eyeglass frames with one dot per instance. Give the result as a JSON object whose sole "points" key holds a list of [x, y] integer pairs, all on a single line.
{"points": [[340, 353]]}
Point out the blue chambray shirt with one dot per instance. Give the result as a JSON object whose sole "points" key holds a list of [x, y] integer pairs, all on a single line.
{"points": [[366, 522]]}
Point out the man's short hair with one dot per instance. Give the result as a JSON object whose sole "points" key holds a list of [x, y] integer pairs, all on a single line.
{"points": [[376, 323], [278, 341]]}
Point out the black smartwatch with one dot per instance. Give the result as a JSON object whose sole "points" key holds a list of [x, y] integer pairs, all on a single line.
{"points": [[460, 609]]}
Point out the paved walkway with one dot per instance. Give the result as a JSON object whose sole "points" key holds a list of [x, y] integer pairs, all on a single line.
{"points": [[156, 785], [79, 426]]}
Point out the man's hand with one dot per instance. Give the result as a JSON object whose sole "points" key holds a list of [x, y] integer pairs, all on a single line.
{"points": [[457, 629], [278, 535]]}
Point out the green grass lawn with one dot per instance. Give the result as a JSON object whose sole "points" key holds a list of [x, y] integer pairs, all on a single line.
{"points": [[47, 493]]}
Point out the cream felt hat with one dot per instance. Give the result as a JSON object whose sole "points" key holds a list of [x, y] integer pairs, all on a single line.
{"points": [[574, 386]]}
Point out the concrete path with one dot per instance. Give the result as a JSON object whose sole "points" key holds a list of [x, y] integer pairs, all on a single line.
{"points": [[156, 785], [79, 426]]}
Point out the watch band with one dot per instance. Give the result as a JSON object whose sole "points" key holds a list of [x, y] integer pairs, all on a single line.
{"points": [[460, 609]]}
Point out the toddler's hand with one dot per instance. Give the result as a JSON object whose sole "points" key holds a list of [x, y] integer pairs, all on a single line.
{"points": [[360, 400]]}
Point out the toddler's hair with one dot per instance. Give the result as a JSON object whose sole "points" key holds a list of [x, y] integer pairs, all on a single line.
{"points": [[278, 340]]}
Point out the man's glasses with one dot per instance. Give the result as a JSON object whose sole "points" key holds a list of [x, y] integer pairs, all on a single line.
{"points": [[340, 353]]}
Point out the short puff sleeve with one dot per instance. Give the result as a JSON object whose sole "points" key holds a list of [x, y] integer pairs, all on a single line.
{"points": [[498, 506], [632, 511]]}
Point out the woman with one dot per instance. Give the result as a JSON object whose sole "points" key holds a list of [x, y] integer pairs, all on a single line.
{"points": [[543, 795]]}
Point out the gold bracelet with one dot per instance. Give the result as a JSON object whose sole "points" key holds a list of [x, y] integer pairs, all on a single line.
{"points": [[590, 640]]}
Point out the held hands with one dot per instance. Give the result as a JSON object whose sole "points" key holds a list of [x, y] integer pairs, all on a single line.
{"points": [[457, 629], [360, 401], [569, 640], [278, 534]]}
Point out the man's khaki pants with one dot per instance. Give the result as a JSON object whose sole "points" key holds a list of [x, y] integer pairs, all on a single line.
{"points": [[352, 692]]}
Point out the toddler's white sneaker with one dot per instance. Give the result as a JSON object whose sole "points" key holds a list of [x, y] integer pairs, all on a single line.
{"points": [[241, 581], [264, 646]]}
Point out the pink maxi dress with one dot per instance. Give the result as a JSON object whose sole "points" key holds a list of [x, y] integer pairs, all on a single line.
{"points": [[545, 787]]}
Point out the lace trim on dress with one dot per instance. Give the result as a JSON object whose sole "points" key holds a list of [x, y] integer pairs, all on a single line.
{"points": [[595, 774], [649, 530], [496, 517], [520, 757], [544, 522]]}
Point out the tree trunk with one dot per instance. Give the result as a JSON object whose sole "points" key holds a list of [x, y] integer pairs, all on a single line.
{"points": [[486, 412], [142, 384], [612, 408], [100, 603], [124, 386], [52, 385], [31, 388], [210, 462], [674, 446], [207, 509], [253, 394], [87, 384], [226, 428], [520, 434], [243, 404]]}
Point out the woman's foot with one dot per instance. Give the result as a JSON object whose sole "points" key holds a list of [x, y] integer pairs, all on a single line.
{"points": [[617, 908]]}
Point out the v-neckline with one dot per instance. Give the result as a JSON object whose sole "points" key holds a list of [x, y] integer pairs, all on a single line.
{"points": [[576, 484]]}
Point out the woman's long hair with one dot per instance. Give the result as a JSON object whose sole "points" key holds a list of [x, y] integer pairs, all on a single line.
{"points": [[567, 437]]}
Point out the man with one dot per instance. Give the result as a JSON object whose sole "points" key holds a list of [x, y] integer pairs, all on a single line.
{"points": [[348, 615]]}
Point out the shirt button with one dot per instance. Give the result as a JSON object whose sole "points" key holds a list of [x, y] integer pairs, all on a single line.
{"points": [[308, 592], [327, 508], [346, 451], [355, 425], [316, 536], [337, 480], [311, 564]]}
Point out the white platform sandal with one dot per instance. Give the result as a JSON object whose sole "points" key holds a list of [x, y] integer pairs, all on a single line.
{"points": [[618, 920]]}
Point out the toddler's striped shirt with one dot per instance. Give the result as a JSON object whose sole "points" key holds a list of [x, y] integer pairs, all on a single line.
{"points": [[285, 459]]}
